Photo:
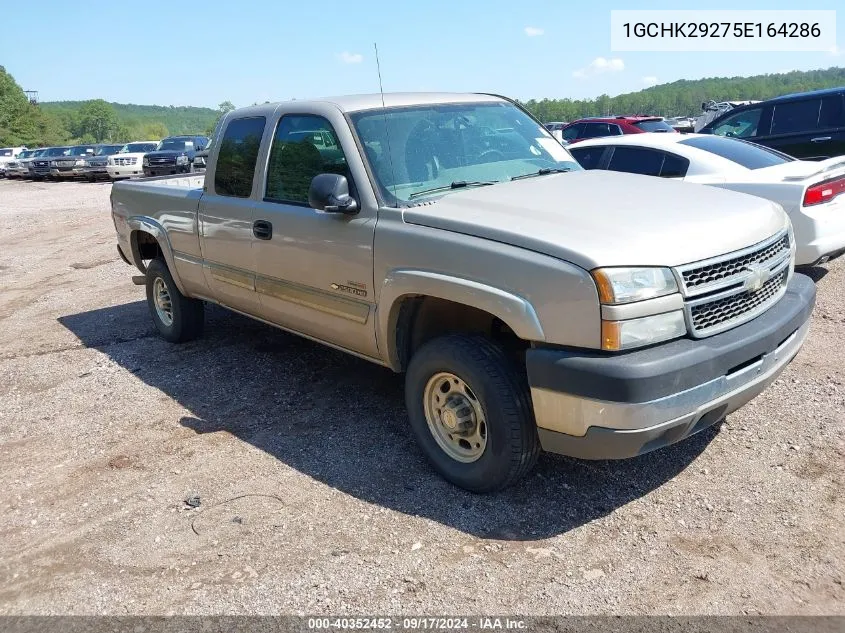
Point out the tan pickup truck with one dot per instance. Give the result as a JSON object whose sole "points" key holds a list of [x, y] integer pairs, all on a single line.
{"points": [[531, 304]]}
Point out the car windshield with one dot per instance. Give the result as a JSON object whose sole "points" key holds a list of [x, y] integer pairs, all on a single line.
{"points": [[654, 126], [422, 150], [175, 145], [26, 153], [749, 155], [7, 152], [57, 151], [107, 150], [131, 148], [80, 150]]}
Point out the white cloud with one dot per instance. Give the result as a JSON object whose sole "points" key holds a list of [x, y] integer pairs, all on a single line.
{"points": [[350, 58], [600, 65], [835, 51], [533, 31], [651, 80]]}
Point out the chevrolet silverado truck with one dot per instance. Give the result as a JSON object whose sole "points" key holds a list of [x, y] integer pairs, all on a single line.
{"points": [[531, 304]]}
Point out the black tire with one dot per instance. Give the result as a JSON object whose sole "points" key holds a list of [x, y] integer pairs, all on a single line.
{"points": [[501, 389], [188, 315]]}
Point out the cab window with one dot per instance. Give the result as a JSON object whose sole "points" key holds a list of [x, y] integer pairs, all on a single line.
{"points": [[304, 146], [237, 156]]}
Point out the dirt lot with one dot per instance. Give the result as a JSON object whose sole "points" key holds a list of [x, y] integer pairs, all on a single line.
{"points": [[314, 498]]}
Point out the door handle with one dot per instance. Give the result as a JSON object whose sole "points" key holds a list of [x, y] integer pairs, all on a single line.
{"points": [[262, 229], [820, 139]]}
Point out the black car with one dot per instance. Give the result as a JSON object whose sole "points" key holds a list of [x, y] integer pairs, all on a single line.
{"points": [[807, 125], [174, 155]]}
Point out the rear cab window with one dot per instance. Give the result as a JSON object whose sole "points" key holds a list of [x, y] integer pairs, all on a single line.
{"points": [[237, 156], [749, 155], [573, 132]]}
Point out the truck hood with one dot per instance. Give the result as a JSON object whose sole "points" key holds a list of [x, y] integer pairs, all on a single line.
{"points": [[598, 218]]}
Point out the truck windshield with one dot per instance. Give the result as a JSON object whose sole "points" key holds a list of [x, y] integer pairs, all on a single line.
{"points": [[107, 150], [130, 148], [6, 152], [57, 151], [175, 145], [81, 150], [423, 150]]}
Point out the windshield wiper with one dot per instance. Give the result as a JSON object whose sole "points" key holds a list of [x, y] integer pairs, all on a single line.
{"points": [[543, 172], [458, 184]]}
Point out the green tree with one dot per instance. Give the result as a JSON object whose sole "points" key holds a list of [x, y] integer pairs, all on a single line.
{"points": [[153, 131], [226, 106], [98, 119]]}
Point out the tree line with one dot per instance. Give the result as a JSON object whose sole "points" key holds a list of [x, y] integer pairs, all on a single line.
{"points": [[57, 123], [684, 97]]}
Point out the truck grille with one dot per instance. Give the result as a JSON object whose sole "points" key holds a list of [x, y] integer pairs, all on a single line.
{"points": [[712, 273], [41, 164], [65, 163], [724, 292], [125, 162], [162, 161], [723, 312]]}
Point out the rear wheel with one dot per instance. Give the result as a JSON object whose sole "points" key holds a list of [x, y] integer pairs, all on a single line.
{"points": [[178, 318], [470, 410]]}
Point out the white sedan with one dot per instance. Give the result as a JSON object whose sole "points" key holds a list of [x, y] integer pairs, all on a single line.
{"points": [[808, 191], [127, 162]]}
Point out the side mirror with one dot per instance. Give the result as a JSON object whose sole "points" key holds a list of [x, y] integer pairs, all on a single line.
{"points": [[330, 192]]}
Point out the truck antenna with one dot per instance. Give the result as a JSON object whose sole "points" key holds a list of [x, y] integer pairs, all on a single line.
{"points": [[386, 127]]}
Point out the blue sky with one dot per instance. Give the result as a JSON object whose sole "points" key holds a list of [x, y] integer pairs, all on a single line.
{"points": [[204, 52]]}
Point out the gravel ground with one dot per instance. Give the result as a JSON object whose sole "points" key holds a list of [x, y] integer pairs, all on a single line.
{"points": [[314, 498]]}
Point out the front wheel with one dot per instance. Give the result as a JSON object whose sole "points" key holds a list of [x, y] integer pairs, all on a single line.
{"points": [[470, 410], [178, 318]]}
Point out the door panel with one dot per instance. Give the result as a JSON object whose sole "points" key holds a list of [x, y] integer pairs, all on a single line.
{"points": [[228, 256], [315, 273]]}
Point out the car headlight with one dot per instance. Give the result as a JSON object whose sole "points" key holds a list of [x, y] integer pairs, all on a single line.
{"points": [[182, 160], [110, 161], [146, 162], [620, 335], [53, 163], [80, 163], [626, 285]]}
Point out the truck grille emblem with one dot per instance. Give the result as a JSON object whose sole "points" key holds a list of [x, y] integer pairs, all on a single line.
{"points": [[759, 275]]}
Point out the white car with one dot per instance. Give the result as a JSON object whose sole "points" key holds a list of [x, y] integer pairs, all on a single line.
{"points": [[7, 155], [127, 163], [808, 191]]}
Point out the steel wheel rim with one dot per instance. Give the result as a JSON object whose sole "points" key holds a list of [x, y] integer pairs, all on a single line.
{"points": [[455, 417], [162, 301]]}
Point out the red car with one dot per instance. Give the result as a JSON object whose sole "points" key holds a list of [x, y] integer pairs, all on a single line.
{"points": [[593, 127]]}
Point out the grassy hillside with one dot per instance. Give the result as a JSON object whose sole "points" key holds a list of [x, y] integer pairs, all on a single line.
{"points": [[684, 97], [177, 119]]}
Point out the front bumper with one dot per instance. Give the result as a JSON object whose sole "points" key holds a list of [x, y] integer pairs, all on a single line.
{"points": [[62, 172], [124, 171], [599, 406]]}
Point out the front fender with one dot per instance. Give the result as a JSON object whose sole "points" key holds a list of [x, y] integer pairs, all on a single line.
{"points": [[515, 311], [148, 225]]}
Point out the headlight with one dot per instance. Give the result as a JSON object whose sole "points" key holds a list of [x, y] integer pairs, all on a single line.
{"points": [[110, 161], [625, 285], [80, 163], [53, 163], [619, 335], [182, 160], [146, 162]]}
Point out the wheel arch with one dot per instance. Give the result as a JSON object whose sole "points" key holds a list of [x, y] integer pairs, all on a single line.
{"points": [[405, 291], [147, 235]]}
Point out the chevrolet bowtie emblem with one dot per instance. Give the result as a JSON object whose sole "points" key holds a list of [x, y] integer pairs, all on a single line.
{"points": [[758, 275]]}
